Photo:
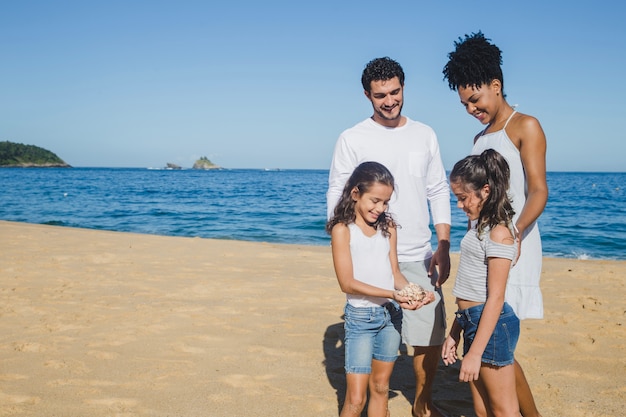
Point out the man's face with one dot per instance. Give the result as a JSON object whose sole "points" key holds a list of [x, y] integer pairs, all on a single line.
{"points": [[386, 97]]}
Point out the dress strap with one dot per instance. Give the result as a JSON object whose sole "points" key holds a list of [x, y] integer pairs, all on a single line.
{"points": [[509, 119]]}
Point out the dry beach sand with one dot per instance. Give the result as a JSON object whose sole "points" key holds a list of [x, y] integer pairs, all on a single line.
{"points": [[96, 323]]}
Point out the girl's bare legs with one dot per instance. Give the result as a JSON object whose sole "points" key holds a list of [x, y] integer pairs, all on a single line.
{"points": [[356, 395], [524, 396], [496, 387], [356, 391], [379, 389]]}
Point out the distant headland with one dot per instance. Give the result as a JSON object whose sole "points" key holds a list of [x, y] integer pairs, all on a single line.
{"points": [[205, 163], [28, 156], [202, 163], [18, 155]]}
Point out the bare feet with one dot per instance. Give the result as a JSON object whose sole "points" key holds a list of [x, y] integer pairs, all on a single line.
{"points": [[431, 411]]}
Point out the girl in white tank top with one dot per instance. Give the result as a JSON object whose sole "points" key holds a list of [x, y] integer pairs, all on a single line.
{"points": [[363, 238]]}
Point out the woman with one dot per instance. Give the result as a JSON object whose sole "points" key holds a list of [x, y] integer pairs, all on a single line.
{"points": [[474, 71]]}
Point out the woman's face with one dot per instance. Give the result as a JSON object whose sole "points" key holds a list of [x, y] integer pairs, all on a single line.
{"points": [[481, 102]]}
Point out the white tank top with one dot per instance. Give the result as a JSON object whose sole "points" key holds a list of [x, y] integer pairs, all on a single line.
{"points": [[523, 292], [370, 264], [500, 142]]}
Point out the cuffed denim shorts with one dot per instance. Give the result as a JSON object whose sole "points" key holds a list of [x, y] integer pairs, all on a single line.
{"points": [[501, 346], [371, 333]]}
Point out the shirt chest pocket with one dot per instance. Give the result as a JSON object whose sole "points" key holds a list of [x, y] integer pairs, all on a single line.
{"points": [[418, 163]]}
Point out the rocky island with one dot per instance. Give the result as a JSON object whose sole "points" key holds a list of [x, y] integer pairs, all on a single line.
{"points": [[28, 156], [205, 163]]}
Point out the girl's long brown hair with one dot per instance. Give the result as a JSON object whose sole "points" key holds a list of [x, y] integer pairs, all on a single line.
{"points": [[490, 168], [363, 178]]}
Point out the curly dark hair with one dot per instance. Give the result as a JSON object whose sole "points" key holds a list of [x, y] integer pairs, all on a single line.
{"points": [[473, 172], [381, 69], [474, 62], [363, 178]]}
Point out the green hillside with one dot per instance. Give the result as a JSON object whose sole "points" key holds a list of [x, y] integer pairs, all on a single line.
{"points": [[19, 155]]}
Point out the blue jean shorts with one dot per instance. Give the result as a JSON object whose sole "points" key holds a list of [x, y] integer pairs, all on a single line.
{"points": [[501, 346], [371, 333]]}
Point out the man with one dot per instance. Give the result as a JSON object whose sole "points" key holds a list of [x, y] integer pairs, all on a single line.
{"points": [[410, 150]]}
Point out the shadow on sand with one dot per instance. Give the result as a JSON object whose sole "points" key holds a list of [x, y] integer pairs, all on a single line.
{"points": [[452, 397]]}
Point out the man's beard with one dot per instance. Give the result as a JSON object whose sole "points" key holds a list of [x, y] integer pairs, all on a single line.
{"points": [[386, 117]]}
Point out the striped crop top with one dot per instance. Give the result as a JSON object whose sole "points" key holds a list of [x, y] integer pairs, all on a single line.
{"points": [[471, 278]]}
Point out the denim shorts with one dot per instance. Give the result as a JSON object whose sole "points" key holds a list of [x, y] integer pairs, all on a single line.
{"points": [[371, 333], [501, 346]]}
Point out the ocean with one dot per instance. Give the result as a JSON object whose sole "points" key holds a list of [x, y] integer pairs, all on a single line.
{"points": [[585, 217]]}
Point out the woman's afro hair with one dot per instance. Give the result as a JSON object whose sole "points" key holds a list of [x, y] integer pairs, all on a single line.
{"points": [[474, 62]]}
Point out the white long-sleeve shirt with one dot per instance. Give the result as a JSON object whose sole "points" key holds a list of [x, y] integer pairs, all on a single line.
{"points": [[411, 153]]}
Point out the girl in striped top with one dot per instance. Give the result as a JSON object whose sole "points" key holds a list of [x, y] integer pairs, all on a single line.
{"points": [[489, 325]]}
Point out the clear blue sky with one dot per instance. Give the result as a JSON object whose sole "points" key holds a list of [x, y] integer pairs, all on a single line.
{"points": [[271, 84]]}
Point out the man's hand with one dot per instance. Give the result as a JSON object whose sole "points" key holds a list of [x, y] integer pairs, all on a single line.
{"points": [[441, 259], [448, 351]]}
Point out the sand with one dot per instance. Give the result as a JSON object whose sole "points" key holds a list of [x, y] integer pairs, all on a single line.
{"points": [[97, 323]]}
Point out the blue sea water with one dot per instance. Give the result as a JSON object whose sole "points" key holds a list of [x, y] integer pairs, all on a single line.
{"points": [[585, 217]]}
